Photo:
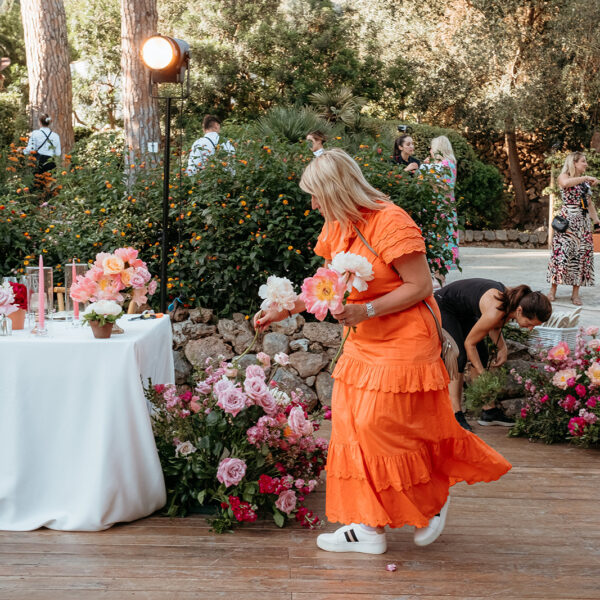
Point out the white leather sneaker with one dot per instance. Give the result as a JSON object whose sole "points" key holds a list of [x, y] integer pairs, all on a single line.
{"points": [[427, 535], [353, 538]]}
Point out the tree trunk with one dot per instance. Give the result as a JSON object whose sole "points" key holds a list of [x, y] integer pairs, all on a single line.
{"points": [[48, 66], [140, 111], [514, 166]]}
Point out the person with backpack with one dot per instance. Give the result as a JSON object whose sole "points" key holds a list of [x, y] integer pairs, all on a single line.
{"points": [[46, 144], [207, 144]]}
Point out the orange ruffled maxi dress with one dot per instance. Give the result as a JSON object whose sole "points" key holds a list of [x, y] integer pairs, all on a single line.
{"points": [[396, 447]]}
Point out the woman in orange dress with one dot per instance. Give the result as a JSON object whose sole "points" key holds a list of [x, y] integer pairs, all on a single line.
{"points": [[395, 446]]}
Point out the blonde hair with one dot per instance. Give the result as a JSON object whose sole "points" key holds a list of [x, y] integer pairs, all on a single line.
{"points": [[340, 188], [442, 149], [569, 166]]}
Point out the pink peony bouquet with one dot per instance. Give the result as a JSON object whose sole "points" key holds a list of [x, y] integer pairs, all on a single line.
{"points": [[238, 444], [118, 276], [8, 304], [329, 288], [563, 396]]}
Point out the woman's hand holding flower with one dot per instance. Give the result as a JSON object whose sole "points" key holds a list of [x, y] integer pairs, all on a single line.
{"points": [[351, 315]]}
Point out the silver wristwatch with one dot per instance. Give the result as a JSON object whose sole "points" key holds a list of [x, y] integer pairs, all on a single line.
{"points": [[370, 310]]}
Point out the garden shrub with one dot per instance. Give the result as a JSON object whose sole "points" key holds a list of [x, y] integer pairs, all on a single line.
{"points": [[240, 220]]}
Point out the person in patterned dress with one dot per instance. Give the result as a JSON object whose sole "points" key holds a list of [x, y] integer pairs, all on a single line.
{"points": [[572, 257], [396, 448]]}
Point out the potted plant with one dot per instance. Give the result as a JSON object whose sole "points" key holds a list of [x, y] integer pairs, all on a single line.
{"points": [[101, 317], [20, 302]]}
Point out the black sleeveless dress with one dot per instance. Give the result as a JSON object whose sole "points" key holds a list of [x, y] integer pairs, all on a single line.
{"points": [[459, 306]]}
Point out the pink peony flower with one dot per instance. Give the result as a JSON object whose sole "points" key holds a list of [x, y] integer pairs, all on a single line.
{"points": [[298, 423], [136, 281], [593, 373], [264, 359], [139, 296], [286, 502], [144, 274], [593, 331], [152, 287], [100, 259], [593, 344], [323, 292], [7, 299], [84, 289], [127, 255], [560, 352], [95, 274], [231, 471], [561, 378]]}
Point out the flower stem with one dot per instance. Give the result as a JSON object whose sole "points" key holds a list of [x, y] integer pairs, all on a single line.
{"points": [[250, 346], [335, 358]]}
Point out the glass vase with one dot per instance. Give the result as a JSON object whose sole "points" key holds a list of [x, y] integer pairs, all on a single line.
{"points": [[80, 269], [34, 287]]}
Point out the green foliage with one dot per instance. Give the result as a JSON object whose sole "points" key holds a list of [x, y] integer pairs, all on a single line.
{"points": [[10, 110], [290, 123], [485, 389]]}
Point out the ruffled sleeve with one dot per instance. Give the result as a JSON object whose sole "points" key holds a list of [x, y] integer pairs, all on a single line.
{"points": [[396, 234]]}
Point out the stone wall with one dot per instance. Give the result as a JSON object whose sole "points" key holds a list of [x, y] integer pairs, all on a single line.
{"points": [[198, 335], [505, 238]]}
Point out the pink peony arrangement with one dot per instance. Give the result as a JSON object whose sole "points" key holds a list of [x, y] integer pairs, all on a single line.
{"points": [[117, 276], [563, 397], [239, 443], [8, 303]]}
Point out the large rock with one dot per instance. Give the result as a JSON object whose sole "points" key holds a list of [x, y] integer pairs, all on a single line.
{"points": [[239, 334], [513, 235], [193, 331], [246, 361], [179, 337], [182, 367], [324, 387], [513, 406], [300, 344], [180, 314], [197, 351], [201, 315], [489, 236], [523, 238], [274, 343], [516, 350], [290, 383], [542, 236], [477, 236], [288, 326], [327, 334], [468, 236], [307, 363], [501, 235]]}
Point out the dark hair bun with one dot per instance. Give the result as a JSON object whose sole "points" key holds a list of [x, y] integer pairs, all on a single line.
{"points": [[45, 119]]}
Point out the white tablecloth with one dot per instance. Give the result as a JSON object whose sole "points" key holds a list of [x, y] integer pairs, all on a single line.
{"points": [[76, 444]]}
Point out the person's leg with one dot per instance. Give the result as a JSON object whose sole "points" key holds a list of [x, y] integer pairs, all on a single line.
{"points": [[455, 388], [575, 299], [552, 292]]}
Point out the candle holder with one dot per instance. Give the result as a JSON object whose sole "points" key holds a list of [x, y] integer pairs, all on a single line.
{"points": [[80, 269], [33, 291]]}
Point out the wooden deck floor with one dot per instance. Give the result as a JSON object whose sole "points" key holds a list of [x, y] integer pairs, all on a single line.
{"points": [[534, 534]]}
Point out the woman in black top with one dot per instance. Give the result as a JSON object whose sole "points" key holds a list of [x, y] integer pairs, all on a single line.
{"points": [[475, 308], [404, 148]]}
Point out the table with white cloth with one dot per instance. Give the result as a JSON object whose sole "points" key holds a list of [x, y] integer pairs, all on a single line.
{"points": [[77, 451]]}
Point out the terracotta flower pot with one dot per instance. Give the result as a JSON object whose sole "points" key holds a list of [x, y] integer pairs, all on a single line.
{"points": [[101, 332], [18, 319]]}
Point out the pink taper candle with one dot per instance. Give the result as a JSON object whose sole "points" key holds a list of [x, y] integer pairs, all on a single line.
{"points": [[41, 294], [75, 303]]}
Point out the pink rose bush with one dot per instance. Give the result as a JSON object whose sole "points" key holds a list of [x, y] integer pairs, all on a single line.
{"points": [[117, 276], [563, 395], [239, 443]]}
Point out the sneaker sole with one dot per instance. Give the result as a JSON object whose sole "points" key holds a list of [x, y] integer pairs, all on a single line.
{"points": [[501, 423], [425, 541], [362, 547]]}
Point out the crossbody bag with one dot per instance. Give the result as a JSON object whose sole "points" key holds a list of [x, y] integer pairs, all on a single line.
{"points": [[449, 351]]}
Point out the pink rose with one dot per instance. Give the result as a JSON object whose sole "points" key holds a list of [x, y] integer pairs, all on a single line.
{"points": [[232, 401], [136, 281], [127, 255], [286, 502], [253, 371], [580, 390], [592, 331], [268, 404], [593, 344], [203, 388], [126, 276], [144, 274], [7, 300], [298, 423], [264, 359], [194, 406], [256, 387], [112, 265], [152, 287], [523, 413], [231, 471]]}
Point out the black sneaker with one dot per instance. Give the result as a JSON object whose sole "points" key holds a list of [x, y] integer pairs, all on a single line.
{"points": [[462, 421], [495, 416]]}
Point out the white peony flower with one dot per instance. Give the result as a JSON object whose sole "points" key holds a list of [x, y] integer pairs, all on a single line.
{"points": [[355, 268], [104, 307], [278, 291]]}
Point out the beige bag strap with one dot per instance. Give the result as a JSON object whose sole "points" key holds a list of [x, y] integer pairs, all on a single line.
{"points": [[437, 323]]}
